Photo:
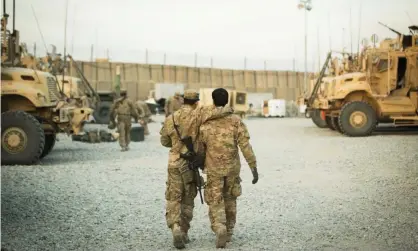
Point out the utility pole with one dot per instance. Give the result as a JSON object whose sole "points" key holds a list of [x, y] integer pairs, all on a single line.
{"points": [[195, 59], [294, 65], [91, 53], [307, 6], [146, 56]]}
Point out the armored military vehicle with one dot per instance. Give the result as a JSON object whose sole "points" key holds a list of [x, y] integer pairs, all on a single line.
{"points": [[32, 109], [386, 91]]}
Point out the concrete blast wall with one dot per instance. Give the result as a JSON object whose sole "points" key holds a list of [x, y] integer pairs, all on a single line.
{"points": [[135, 78]]}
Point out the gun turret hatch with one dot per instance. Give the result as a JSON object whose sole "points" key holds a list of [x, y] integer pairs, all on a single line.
{"points": [[413, 29]]}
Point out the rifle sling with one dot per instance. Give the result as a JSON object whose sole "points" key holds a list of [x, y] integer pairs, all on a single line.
{"points": [[177, 130]]}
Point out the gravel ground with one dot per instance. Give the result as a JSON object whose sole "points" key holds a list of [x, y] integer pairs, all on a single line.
{"points": [[318, 190]]}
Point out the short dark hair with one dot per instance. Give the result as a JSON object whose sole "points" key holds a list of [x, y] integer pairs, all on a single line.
{"points": [[220, 97], [189, 101]]}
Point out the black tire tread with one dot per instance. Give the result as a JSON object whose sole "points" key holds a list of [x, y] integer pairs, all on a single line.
{"points": [[102, 119], [317, 120], [369, 131], [330, 125], [27, 117], [48, 145], [336, 124]]}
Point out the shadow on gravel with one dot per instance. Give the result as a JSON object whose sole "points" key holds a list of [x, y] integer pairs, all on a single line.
{"points": [[385, 130], [396, 131]]}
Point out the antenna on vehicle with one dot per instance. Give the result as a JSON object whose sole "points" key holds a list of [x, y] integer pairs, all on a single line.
{"points": [[359, 28], [72, 38], [410, 19], [39, 29], [329, 31], [65, 46], [351, 34]]}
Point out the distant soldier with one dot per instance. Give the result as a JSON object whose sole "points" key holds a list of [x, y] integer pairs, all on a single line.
{"points": [[172, 104], [124, 109], [144, 115], [181, 182], [220, 139]]}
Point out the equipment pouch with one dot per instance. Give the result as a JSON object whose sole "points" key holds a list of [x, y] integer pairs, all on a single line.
{"points": [[188, 176], [236, 187]]}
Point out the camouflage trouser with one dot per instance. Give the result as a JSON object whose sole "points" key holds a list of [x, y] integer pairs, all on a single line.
{"points": [[124, 129], [179, 200], [221, 196]]}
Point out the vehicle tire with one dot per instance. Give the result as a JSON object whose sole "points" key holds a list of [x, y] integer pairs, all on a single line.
{"points": [[317, 119], [328, 120], [357, 119], [102, 114], [23, 138], [49, 144], [335, 124]]}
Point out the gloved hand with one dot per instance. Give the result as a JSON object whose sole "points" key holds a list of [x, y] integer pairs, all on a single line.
{"points": [[255, 174]]}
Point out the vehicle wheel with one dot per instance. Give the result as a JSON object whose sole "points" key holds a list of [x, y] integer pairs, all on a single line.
{"points": [[22, 138], [357, 119], [328, 120], [102, 114], [49, 144], [317, 119], [335, 124]]}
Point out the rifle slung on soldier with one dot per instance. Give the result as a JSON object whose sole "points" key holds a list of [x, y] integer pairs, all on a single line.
{"points": [[194, 160]]}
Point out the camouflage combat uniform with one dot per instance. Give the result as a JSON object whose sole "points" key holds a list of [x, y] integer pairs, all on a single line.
{"points": [[124, 109], [180, 186], [173, 104], [144, 115], [220, 139]]}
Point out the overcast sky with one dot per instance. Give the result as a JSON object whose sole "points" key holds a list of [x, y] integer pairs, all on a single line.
{"points": [[226, 30]]}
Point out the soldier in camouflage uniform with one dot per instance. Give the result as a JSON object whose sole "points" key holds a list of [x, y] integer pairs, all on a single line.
{"points": [[181, 182], [219, 139], [173, 104], [144, 115], [124, 109]]}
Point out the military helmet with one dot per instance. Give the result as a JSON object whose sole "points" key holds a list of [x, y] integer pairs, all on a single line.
{"points": [[191, 94]]}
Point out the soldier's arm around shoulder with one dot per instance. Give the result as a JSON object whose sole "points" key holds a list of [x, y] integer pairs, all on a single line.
{"points": [[165, 139], [201, 140], [206, 113], [243, 139]]}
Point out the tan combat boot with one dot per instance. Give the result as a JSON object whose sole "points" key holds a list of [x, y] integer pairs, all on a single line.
{"points": [[229, 235], [178, 241], [186, 238], [221, 237]]}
